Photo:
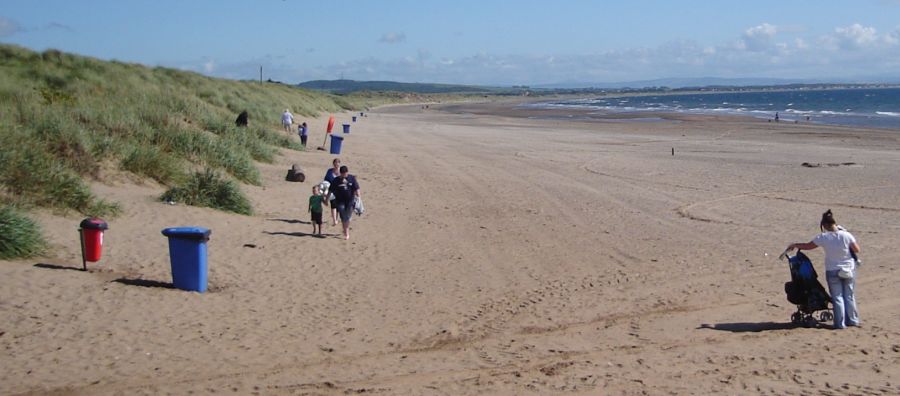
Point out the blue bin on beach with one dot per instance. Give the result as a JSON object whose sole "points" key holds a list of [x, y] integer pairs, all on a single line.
{"points": [[346, 128], [336, 143], [187, 253], [354, 118]]}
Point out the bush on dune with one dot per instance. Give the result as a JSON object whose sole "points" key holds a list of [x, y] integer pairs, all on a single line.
{"points": [[210, 189], [20, 237]]}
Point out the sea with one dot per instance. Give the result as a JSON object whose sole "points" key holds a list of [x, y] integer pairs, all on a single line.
{"points": [[862, 107]]}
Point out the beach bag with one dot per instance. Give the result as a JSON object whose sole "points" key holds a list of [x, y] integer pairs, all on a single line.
{"points": [[845, 273], [358, 207]]}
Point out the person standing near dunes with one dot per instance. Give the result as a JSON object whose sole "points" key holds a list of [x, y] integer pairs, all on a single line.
{"points": [[287, 120], [840, 268], [303, 133]]}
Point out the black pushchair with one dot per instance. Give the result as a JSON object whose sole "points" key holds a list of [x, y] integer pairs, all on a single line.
{"points": [[805, 291]]}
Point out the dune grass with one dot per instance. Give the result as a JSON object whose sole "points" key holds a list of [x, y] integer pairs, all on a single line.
{"points": [[20, 237], [64, 118], [208, 188]]}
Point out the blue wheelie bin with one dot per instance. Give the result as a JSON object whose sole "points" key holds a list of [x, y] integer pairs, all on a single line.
{"points": [[187, 253], [336, 142]]}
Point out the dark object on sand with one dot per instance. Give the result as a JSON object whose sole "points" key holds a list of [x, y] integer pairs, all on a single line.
{"points": [[831, 164], [295, 174], [242, 119], [805, 291]]}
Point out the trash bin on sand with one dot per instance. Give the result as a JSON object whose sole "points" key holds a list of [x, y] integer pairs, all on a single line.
{"points": [[187, 253], [346, 128], [336, 142], [354, 118], [92, 238]]}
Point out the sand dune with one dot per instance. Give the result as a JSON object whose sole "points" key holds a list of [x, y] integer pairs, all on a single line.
{"points": [[500, 254]]}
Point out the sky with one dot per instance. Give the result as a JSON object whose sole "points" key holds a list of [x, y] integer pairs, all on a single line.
{"points": [[481, 42]]}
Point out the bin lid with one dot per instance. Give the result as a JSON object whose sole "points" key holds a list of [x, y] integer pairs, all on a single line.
{"points": [[198, 233], [94, 224], [338, 137]]}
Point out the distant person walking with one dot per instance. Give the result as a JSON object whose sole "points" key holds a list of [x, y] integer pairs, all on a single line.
{"points": [[840, 268], [345, 189], [303, 133], [287, 120]]}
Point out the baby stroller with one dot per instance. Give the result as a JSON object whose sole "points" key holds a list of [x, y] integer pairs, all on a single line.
{"points": [[805, 291]]}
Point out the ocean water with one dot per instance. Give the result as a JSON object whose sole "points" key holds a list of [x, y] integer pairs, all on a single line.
{"points": [[870, 107]]}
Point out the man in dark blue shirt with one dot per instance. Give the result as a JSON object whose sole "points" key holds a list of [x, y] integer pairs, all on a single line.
{"points": [[345, 189]]}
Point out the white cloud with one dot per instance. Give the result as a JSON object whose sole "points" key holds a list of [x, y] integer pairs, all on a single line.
{"points": [[758, 38], [392, 38], [758, 51], [855, 36], [9, 27], [892, 38]]}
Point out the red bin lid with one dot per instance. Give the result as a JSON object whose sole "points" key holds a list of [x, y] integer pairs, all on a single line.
{"points": [[94, 224]]}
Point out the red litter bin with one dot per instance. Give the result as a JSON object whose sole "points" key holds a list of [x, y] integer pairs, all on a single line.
{"points": [[92, 239]]}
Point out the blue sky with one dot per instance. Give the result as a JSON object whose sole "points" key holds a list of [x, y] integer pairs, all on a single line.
{"points": [[474, 42]]}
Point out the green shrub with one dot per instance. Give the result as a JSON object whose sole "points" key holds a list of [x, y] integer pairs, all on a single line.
{"points": [[151, 162], [20, 237], [32, 175], [208, 188]]}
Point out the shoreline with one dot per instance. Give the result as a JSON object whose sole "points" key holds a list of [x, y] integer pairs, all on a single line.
{"points": [[514, 108]]}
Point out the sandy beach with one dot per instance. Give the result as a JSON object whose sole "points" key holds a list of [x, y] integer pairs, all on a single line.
{"points": [[503, 251]]}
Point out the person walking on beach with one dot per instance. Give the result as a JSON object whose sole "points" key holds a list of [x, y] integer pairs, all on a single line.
{"points": [[287, 120], [840, 268], [345, 189], [316, 200], [303, 134], [330, 175]]}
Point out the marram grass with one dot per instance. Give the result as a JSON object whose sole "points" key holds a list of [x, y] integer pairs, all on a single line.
{"points": [[210, 189], [20, 237]]}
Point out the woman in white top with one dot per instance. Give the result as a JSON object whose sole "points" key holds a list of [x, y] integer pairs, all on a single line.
{"points": [[840, 268]]}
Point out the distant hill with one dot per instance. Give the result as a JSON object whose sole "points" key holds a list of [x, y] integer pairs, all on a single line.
{"points": [[350, 86]]}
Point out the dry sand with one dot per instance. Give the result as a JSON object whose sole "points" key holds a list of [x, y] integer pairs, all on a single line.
{"points": [[500, 254]]}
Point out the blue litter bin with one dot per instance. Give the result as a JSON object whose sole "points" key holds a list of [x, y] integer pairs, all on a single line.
{"points": [[187, 253], [336, 142], [346, 128], [354, 118]]}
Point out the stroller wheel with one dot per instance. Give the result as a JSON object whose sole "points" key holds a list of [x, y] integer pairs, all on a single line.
{"points": [[826, 316], [797, 318]]}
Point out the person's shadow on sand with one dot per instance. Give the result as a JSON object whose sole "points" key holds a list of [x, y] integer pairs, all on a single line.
{"points": [[749, 327], [291, 221], [298, 234]]}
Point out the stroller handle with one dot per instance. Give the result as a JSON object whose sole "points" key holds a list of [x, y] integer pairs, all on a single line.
{"points": [[784, 254]]}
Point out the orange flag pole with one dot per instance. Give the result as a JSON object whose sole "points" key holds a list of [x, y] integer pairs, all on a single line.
{"points": [[327, 131]]}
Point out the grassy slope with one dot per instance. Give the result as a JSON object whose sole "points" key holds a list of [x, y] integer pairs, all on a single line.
{"points": [[62, 116]]}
